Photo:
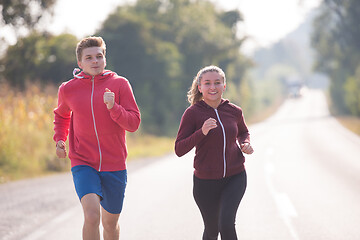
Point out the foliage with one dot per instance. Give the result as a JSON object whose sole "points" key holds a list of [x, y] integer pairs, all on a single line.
{"points": [[277, 66], [287, 53], [280, 66], [160, 45], [352, 89], [336, 39], [24, 13], [40, 57]]}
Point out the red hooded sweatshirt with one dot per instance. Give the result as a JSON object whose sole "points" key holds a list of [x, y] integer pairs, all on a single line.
{"points": [[96, 134], [217, 154]]}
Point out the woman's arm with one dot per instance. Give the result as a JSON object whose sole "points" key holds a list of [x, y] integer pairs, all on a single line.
{"points": [[188, 136]]}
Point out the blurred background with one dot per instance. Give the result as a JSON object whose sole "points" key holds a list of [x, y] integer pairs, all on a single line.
{"points": [[292, 65], [269, 50]]}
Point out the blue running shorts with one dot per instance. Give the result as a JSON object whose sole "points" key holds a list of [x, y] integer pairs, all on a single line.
{"points": [[109, 186]]}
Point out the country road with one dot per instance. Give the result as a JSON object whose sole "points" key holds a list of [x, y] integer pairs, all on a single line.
{"points": [[303, 184]]}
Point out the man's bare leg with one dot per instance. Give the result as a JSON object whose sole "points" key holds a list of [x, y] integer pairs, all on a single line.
{"points": [[91, 207], [111, 226]]}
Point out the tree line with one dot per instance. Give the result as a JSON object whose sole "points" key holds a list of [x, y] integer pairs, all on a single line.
{"points": [[158, 45], [336, 39]]}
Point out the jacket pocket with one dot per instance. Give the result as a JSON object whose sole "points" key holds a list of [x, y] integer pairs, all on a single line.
{"points": [[113, 148]]}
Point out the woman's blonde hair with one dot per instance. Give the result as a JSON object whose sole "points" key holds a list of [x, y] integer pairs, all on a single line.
{"points": [[194, 95]]}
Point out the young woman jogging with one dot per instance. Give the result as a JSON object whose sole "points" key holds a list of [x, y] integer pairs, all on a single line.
{"points": [[217, 129]]}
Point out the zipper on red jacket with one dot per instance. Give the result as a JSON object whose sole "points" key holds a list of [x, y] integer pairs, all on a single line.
{"points": [[93, 116], [223, 129]]}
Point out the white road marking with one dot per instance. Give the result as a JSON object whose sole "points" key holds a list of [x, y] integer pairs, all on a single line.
{"points": [[285, 207]]}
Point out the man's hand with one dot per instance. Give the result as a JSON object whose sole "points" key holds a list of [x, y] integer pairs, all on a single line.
{"points": [[61, 149], [109, 98]]}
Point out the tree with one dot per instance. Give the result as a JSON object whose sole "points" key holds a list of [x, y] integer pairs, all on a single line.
{"points": [[39, 57], [151, 64], [352, 97], [160, 45], [336, 39], [24, 13]]}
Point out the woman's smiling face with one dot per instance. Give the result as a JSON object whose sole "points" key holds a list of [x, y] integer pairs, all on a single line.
{"points": [[212, 87]]}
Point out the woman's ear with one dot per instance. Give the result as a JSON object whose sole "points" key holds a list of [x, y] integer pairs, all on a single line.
{"points": [[199, 88]]}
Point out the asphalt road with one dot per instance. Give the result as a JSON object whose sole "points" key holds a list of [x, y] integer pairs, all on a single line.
{"points": [[303, 184]]}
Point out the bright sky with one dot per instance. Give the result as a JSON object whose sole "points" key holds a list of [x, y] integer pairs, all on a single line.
{"points": [[265, 21]]}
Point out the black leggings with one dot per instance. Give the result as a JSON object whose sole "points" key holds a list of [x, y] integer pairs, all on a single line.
{"points": [[218, 201]]}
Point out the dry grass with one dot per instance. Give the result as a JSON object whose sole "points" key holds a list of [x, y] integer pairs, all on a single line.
{"points": [[351, 123], [265, 113], [26, 131], [148, 146]]}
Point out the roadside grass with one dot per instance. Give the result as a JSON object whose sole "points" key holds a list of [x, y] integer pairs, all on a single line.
{"points": [[26, 130], [140, 145], [26, 147], [265, 112], [350, 122]]}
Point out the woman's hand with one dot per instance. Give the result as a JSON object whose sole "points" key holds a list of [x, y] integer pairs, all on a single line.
{"points": [[246, 148], [61, 149], [109, 98], [208, 125]]}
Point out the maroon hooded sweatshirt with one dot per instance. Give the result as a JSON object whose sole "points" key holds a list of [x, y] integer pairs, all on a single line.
{"points": [[217, 154]]}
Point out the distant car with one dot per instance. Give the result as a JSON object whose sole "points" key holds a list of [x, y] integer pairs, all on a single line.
{"points": [[294, 89], [294, 92]]}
